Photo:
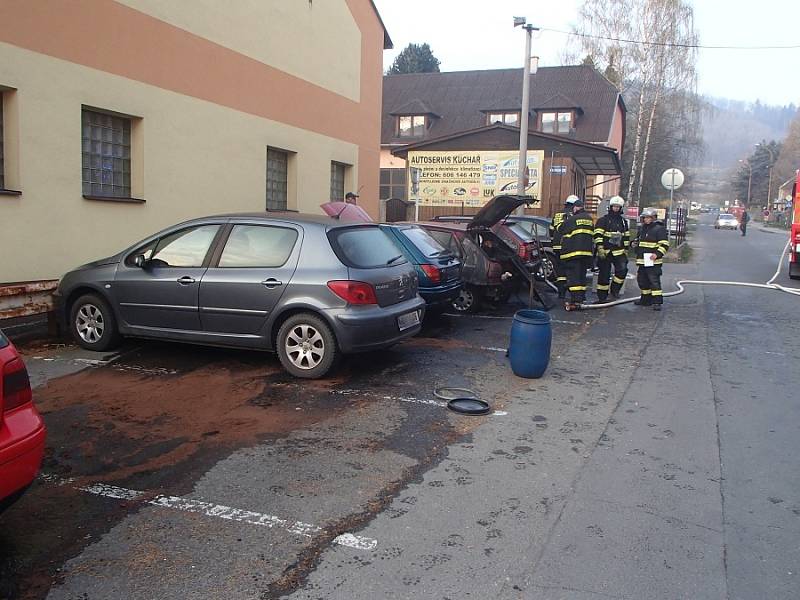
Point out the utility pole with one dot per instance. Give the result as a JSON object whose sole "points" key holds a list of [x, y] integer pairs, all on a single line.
{"points": [[771, 163], [522, 169]]}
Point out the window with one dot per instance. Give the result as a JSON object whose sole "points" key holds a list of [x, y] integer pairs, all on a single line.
{"points": [[185, 248], [2, 162], [106, 154], [338, 171], [509, 118], [258, 246], [556, 122], [411, 126], [447, 240], [366, 248], [423, 241], [393, 184], [277, 179]]}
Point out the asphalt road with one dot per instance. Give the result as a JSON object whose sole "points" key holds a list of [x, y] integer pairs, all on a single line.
{"points": [[653, 460]]}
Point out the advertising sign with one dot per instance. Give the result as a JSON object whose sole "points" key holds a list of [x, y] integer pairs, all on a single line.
{"points": [[470, 178]]}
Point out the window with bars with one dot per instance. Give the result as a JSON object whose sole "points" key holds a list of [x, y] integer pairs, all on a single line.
{"points": [[2, 161], [277, 179], [106, 154], [338, 171], [393, 184]]}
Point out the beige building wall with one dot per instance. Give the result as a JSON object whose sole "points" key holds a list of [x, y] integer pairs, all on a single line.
{"points": [[203, 117]]}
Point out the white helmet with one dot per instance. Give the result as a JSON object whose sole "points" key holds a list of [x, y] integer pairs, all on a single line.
{"points": [[572, 200], [616, 201], [649, 212]]}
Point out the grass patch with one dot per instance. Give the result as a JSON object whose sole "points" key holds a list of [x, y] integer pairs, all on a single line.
{"points": [[681, 254]]}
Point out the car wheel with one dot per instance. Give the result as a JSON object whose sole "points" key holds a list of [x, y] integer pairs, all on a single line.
{"points": [[467, 301], [306, 346], [93, 324]]}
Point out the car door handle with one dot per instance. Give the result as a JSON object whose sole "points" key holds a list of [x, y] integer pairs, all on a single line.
{"points": [[186, 280], [271, 283]]}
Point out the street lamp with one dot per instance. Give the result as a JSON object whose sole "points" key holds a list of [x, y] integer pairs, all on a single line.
{"points": [[771, 163], [749, 179], [528, 69]]}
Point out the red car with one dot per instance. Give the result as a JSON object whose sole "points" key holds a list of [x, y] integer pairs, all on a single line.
{"points": [[22, 430]]}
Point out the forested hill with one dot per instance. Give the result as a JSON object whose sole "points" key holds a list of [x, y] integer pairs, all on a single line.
{"points": [[732, 127]]}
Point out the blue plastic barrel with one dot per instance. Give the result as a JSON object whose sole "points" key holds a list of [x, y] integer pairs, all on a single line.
{"points": [[529, 348]]}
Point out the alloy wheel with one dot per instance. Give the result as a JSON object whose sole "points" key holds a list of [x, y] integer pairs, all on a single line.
{"points": [[464, 301], [304, 346], [90, 324]]}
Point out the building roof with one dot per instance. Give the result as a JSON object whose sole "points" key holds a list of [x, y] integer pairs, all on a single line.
{"points": [[462, 98], [594, 159]]}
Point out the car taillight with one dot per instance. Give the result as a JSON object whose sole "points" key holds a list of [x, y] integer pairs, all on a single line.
{"points": [[525, 251], [16, 385], [433, 273], [354, 292]]}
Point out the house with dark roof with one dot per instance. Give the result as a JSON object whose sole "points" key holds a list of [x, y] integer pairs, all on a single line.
{"points": [[449, 141]]}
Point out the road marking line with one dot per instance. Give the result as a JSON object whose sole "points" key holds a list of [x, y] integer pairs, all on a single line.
{"points": [[219, 511], [493, 349]]}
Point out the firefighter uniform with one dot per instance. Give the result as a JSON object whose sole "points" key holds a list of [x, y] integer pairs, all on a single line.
{"points": [[577, 243], [612, 239], [651, 239], [558, 266]]}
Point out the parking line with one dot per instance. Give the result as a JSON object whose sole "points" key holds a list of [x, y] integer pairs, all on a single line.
{"points": [[219, 511]]}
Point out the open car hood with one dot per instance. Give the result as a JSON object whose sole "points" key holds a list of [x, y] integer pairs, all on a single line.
{"points": [[497, 209]]}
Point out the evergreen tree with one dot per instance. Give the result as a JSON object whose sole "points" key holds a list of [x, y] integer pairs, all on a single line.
{"points": [[415, 58]]}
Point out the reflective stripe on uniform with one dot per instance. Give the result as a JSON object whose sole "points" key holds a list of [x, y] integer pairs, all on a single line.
{"points": [[645, 292], [603, 288], [618, 280], [561, 278], [575, 232], [619, 252], [576, 253], [657, 292], [577, 288]]}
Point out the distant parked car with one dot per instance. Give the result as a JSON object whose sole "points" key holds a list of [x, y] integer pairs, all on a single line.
{"points": [[726, 221], [438, 269], [488, 270], [305, 286], [22, 431]]}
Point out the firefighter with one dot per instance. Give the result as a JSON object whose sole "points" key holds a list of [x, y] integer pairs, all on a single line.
{"points": [[612, 238], [577, 244], [651, 245], [555, 236]]}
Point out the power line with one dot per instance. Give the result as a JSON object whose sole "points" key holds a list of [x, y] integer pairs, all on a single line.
{"points": [[670, 44]]}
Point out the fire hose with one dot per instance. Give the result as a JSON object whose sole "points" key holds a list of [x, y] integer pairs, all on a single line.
{"points": [[769, 285]]}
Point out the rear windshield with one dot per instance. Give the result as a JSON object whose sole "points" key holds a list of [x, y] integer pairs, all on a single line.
{"points": [[365, 248], [521, 232], [424, 242]]}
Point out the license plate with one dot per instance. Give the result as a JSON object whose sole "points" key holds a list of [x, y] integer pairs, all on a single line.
{"points": [[408, 320]]}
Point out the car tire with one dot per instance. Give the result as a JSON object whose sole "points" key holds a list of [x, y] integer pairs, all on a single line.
{"points": [[306, 346], [92, 323], [467, 300]]}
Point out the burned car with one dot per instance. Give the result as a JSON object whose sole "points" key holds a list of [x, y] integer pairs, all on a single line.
{"points": [[491, 270]]}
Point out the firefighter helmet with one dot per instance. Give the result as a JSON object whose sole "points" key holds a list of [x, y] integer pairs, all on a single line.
{"points": [[616, 201], [573, 200], [649, 212]]}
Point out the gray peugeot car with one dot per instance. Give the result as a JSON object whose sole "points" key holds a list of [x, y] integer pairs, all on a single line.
{"points": [[308, 287]]}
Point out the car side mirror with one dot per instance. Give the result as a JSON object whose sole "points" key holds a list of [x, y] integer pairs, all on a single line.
{"points": [[140, 261]]}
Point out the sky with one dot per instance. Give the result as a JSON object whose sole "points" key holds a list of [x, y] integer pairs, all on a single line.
{"points": [[479, 34]]}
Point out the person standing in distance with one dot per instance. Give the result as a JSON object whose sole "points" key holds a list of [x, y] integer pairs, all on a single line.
{"points": [[651, 245], [577, 244], [612, 238], [745, 221], [350, 197], [555, 237]]}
